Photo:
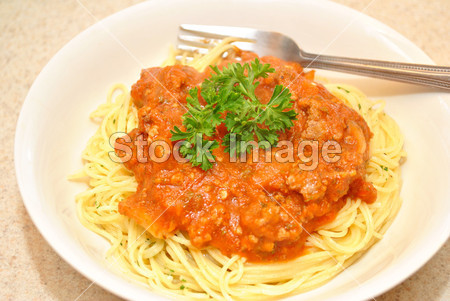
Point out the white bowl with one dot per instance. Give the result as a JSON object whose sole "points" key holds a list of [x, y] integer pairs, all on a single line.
{"points": [[53, 128]]}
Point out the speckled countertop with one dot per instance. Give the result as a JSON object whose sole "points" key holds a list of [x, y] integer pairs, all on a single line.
{"points": [[31, 32]]}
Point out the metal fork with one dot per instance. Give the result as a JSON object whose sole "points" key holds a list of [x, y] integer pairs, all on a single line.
{"points": [[198, 38]]}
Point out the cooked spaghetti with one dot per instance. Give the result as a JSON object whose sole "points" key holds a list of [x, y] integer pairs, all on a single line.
{"points": [[178, 265]]}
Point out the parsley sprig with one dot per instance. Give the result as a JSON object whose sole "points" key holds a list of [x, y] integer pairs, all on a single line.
{"points": [[230, 99], [200, 121]]}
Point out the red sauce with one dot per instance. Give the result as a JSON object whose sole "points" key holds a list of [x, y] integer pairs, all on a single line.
{"points": [[261, 211]]}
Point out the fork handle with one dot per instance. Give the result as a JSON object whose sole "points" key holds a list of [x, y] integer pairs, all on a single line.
{"points": [[428, 75]]}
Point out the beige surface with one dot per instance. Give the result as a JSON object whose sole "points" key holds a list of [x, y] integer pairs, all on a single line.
{"points": [[31, 32]]}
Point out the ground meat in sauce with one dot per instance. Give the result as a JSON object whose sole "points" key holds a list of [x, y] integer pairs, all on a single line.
{"points": [[261, 211]]}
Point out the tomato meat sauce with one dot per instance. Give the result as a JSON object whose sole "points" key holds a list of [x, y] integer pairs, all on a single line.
{"points": [[263, 211]]}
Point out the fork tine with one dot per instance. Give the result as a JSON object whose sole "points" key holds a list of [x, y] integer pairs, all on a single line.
{"points": [[220, 32]]}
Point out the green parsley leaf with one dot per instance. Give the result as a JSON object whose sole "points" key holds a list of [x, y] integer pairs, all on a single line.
{"points": [[230, 98], [274, 115], [347, 91], [199, 121]]}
